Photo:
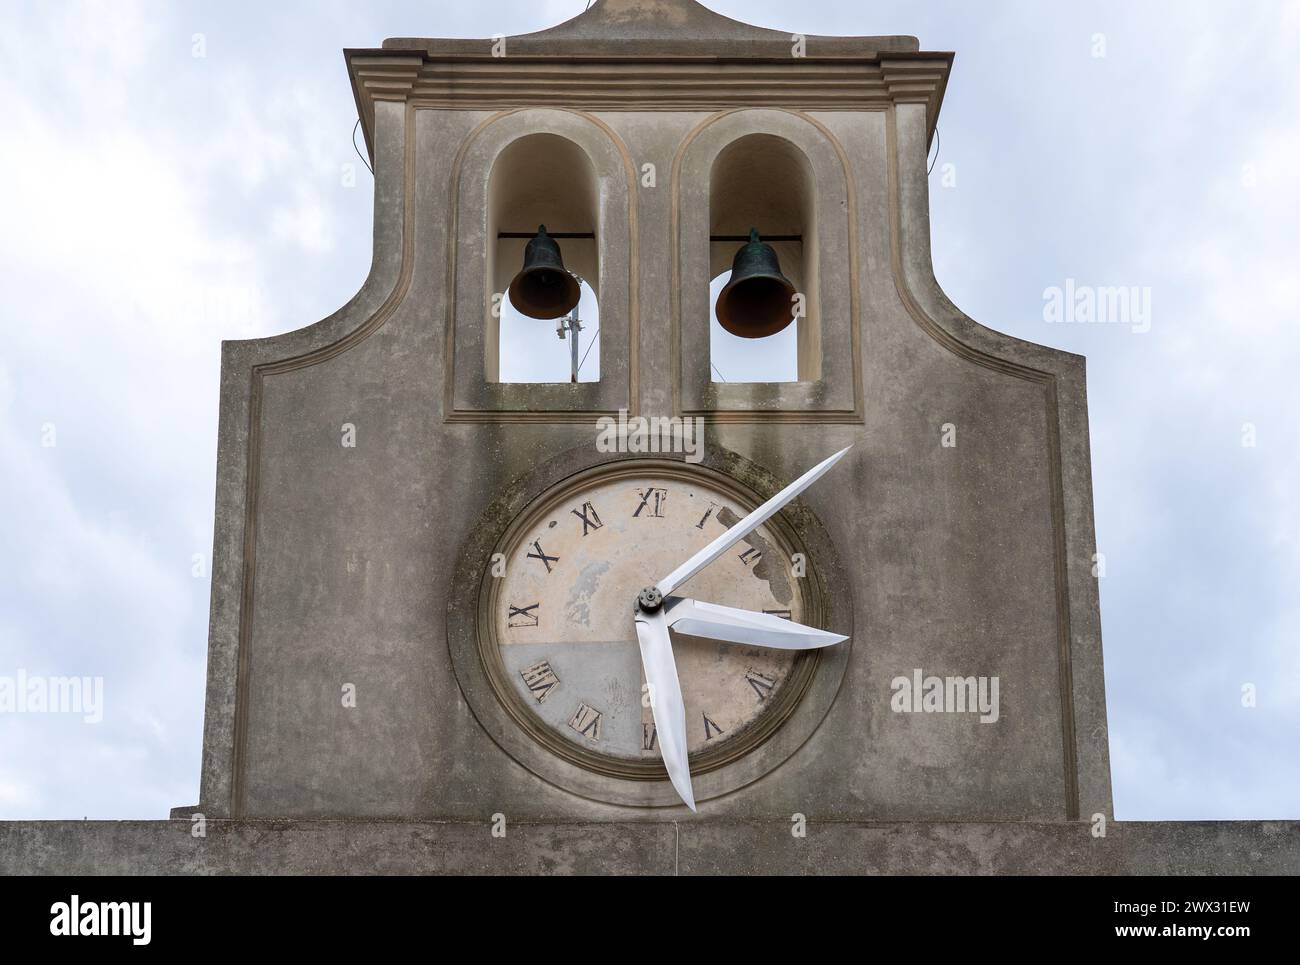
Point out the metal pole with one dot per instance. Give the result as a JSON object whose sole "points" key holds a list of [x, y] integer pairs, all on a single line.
{"points": [[575, 326]]}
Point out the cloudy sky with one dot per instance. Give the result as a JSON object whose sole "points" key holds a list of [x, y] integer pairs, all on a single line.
{"points": [[173, 174]]}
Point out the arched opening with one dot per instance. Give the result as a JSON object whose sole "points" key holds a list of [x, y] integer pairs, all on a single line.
{"points": [[541, 179], [533, 351], [762, 181], [735, 359]]}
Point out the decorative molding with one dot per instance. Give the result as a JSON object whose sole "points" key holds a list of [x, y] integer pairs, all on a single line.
{"points": [[380, 78], [845, 415], [828, 594], [628, 401], [787, 539], [595, 83], [920, 79]]}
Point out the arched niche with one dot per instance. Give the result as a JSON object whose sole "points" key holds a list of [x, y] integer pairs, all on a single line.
{"points": [[776, 171], [763, 181], [539, 179], [521, 169]]}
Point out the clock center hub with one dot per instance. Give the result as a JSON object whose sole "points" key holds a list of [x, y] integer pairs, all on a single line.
{"points": [[650, 599]]}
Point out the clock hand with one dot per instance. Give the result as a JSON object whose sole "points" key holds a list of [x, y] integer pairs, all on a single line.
{"points": [[743, 626], [746, 526], [656, 646], [665, 699]]}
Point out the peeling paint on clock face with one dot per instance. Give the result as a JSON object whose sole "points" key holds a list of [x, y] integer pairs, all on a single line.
{"points": [[564, 624]]}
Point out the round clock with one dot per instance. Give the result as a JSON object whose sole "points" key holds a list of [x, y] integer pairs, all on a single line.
{"points": [[552, 649], [562, 644]]}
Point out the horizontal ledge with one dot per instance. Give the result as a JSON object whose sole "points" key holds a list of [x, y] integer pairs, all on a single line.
{"points": [[549, 234], [589, 234], [686, 846]]}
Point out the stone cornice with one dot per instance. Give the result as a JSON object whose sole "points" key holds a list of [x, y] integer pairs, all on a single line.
{"points": [[484, 82], [379, 75]]}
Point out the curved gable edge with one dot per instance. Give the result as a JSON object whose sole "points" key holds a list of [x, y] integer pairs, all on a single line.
{"points": [[244, 365], [1063, 378]]}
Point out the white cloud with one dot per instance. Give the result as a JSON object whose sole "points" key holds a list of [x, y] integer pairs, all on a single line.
{"points": [[151, 206]]}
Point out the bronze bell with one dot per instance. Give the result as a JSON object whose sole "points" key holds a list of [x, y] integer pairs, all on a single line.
{"points": [[757, 300], [543, 288]]}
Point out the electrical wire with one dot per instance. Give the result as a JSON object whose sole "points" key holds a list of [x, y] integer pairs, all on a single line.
{"points": [[358, 150], [936, 150], [589, 345]]}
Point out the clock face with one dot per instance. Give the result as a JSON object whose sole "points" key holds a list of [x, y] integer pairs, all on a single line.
{"points": [[561, 636]]}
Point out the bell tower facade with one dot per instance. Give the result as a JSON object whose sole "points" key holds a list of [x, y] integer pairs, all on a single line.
{"points": [[430, 579], [650, 138]]}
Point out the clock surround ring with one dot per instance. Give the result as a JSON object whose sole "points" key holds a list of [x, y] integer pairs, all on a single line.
{"points": [[650, 769], [770, 740]]}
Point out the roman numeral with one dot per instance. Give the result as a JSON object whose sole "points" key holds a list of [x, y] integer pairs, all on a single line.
{"points": [[750, 555], [649, 735], [763, 684], [588, 516], [705, 518], [659, 497], [709, 727], [522, 616], [541, 555], [586, 721], [540, 679], [783, 614]]}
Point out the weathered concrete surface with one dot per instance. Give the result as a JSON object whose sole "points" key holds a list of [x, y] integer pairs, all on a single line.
{"points": [[688, 847]]}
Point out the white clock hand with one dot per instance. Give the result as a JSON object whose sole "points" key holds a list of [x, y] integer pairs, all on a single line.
{"points": [[656, 646], [703, 620], [665, 699], [746, 526], [743, 626]]}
